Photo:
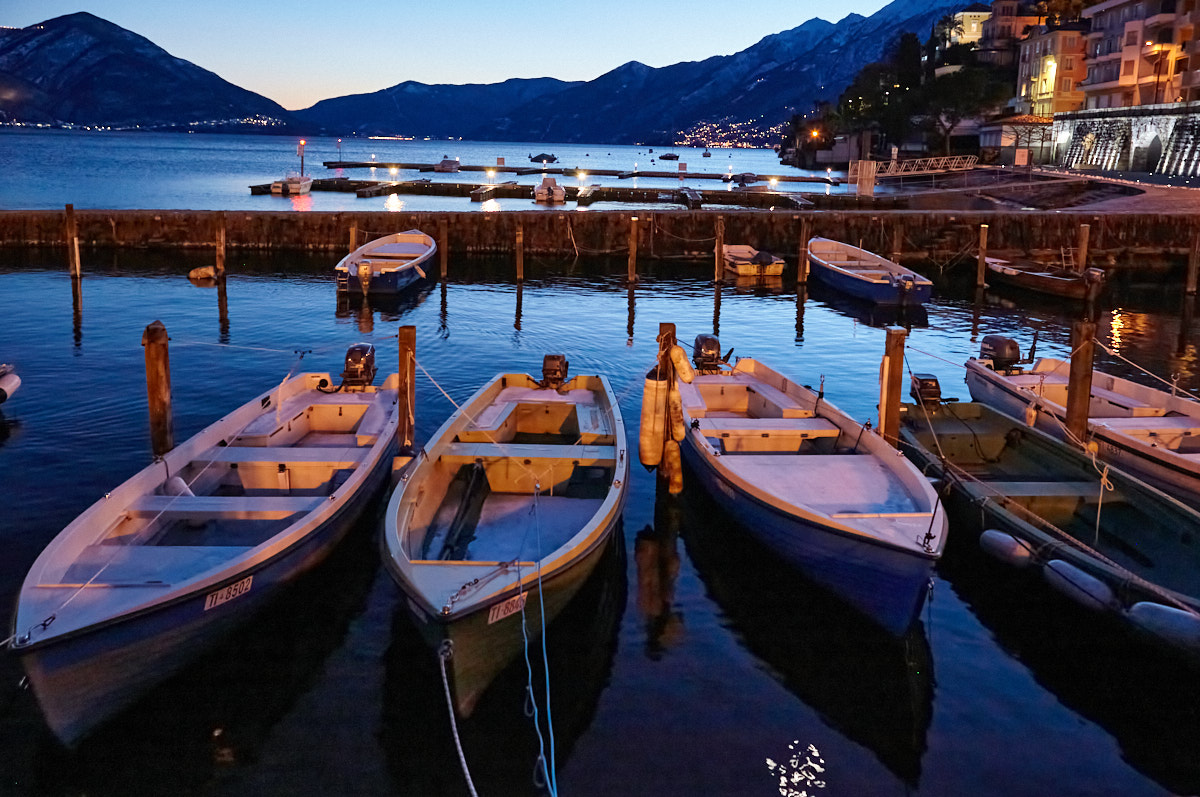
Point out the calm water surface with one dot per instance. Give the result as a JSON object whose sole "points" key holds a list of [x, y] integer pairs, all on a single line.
{"points": [[692, 664]]}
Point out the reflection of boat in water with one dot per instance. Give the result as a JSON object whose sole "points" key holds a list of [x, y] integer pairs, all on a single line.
{"points": [[869, 313], [498, 740], [390, 306], [872, 687], [759, 286]]}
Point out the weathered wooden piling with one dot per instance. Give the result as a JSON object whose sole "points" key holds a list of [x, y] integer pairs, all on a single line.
{"points": [[1193, 267], [407, 389], [219, 264], [72, 236], [981, 265], [890, 385], [633, 246], [802, 258], [1079, 380], [353, 236], [443, 244], [520, 246], [158, 388], [719, 250], [897, 242], [1081, 247]]}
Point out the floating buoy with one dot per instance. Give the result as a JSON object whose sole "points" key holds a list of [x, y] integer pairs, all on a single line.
{"points": [[654, 420], [1086, 590], [1006, 548], [672, 467], [1176, 626], [683, 368], [203, 273], [675, 413]]}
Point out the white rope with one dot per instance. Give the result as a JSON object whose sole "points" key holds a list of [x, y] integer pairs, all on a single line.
{"points": [[1173, 385], [445, 652]]}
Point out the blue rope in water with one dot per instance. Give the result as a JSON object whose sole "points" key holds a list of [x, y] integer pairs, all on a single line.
{"points": [[548, 770]]}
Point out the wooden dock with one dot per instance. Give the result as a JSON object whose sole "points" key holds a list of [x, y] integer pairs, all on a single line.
{"points": [[574, 171]]}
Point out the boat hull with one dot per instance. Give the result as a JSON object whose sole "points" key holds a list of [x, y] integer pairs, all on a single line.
{"points": [[873, 292], [84, 678], [887, 585], [1047, 283]]}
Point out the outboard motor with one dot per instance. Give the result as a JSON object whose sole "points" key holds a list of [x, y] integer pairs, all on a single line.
{"points": [[1003, 352], [360, 366], [925, 389], [554, 371], [706, 353]]}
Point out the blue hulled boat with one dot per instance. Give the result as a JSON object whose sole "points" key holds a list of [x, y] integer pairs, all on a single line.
{"points": [[866, 275]]}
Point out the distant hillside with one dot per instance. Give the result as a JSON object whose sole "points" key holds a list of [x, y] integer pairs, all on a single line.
{"points": [[82, 69]]}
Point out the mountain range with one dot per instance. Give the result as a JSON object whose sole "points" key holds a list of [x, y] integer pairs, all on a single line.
{"points": [[83, 70]]}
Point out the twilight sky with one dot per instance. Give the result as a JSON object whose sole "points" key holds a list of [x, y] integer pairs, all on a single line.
{"points": [[302, 51]]}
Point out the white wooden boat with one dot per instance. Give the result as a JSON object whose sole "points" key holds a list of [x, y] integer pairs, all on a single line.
{"points": [[865, 274], [158, 570], [829, 496], [447, 165], [1149, 432], [9, 382], [292, 185], [505, 515], [549, 191], [746, 261], [386, 265], [1110, 542]]}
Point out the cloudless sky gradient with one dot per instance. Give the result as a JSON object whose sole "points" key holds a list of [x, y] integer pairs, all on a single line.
{"points": [[303, 51]]}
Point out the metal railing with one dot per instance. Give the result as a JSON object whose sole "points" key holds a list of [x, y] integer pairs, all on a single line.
{"points": [[914, 166]]}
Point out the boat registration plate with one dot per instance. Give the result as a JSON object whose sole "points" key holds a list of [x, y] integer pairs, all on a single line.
{"points": [[226, 594], [506, 609]]}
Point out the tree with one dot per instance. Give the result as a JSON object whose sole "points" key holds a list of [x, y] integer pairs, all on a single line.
{"points": [[946, 29], [949, 100]]}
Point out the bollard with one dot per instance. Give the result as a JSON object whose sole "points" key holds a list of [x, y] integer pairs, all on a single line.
{"points": [[890, 384], [719, 250], [443, 246], [1081, 250], [406, 392], [219, 265], [158, 388], [520, 244], [633, 244], [1079, 380], [802, 260], [981, 267], [1193, 263], [72, 236]]}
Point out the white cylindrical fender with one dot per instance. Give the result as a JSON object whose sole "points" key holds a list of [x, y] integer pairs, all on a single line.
{"points": [[1006, 548], [1175, 626], [675, 414], [672, 467], [654, 419], [1083, 588], [177, 486], [1030, 415], [8, 385], [683, 368]]}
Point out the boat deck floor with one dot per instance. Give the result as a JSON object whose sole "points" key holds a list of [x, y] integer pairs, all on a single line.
{"points": [[832, 484], [509, 527]]}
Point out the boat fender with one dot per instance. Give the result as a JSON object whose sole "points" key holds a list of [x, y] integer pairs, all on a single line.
{"points": [[675, 409], [1083, 588], [672, 467], [8, 385], [1006, 548], [1030, 415], [683, 368], [176, 486], [654, 421], [1176, 626]]}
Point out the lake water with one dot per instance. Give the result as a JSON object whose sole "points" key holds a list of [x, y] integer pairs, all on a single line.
{"points": [[687, 666], [48, 169]]}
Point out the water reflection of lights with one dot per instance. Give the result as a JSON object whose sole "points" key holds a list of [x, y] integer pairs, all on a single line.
{"points": [[490, 206], [393, 203], [302, 202], [1117, 325]]}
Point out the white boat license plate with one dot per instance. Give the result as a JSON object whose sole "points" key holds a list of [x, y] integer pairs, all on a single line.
{"points": [[226, 594], [510, 607]]}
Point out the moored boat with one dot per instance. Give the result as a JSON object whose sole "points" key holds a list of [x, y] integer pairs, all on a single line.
{"points": [[1151, 433], [821, 490], [1043, 278], [386, 265], [1102, 537], [9, 382], [746, 261], [504, 517], [865, 274], [161, 568], [292, 185], [549, 191]]}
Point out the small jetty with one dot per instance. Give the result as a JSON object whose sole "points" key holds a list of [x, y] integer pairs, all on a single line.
{"points": [[574, 171]]}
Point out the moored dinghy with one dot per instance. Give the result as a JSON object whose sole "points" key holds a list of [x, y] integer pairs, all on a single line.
{"points": [[826, 494], [1105, 539], [865, 274], [386, 265], [158, 570], [505, 515]]}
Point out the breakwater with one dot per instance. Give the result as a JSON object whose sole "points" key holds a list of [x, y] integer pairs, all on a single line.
{"points": [[1116, 239]]}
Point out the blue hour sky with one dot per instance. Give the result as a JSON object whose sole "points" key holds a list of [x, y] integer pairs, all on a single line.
{"points": [[303, 51]]}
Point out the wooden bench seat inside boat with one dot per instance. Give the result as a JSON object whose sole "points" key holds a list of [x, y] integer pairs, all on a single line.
{"points": [[343, 457], [309, 419], [201, 507], [803, 428], [1031, 489], [466, 453], [523, 410], [738, 397], [142, 565]]}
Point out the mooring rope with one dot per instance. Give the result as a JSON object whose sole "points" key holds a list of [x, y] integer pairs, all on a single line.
{"points": [[445, 652], [1173, 385]]}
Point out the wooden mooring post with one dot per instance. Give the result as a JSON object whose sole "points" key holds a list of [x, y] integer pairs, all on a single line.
{"points": [[219, 263], [1079, 380], [443, 244], [72, 236], [1081, 247], [353, 236], [719, 251], [406, 392], [1193, 267], [158, 388], [633, 246], [981, 265], [890, 385], [520, 246], [802, 257]]}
